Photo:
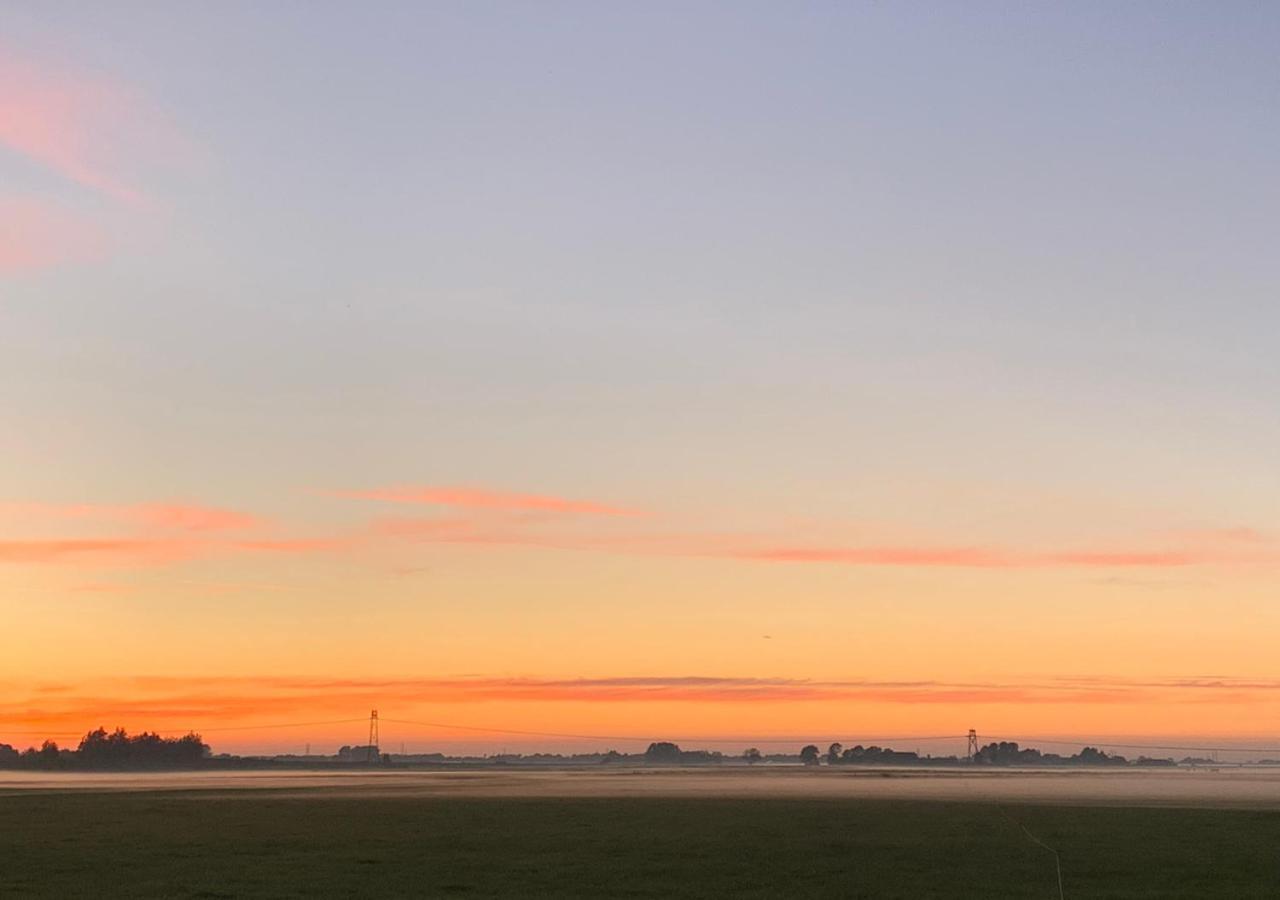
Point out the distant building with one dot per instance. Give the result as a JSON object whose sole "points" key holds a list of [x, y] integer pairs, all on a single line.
{"points": [[361, 754]]}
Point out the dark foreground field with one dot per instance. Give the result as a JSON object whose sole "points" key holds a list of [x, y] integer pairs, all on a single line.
{"points": [[255, 845]]}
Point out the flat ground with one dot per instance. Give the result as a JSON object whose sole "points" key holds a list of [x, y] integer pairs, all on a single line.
{"points": [[351, 843]]}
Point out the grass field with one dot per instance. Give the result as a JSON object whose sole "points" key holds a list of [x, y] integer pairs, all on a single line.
{"points": [[253, 844]]}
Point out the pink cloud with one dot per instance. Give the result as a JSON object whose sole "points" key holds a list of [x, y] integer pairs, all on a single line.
{"points": [[35, 234], [1125, 559], [165, 532], [504, 533], [82, 129], [162, 516], [131, 551], [87, 129], [144, 534], [187, 517], [485, 499], [295, 544], [920, 557], [1010, 558]]}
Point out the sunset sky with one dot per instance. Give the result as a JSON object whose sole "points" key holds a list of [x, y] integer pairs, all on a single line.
{"points": [[710, 371]]}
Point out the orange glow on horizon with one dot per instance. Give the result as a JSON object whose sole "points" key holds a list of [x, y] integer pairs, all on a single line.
{"points": [[242, 711]]}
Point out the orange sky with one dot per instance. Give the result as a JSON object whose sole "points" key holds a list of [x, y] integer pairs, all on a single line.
{"points": [[526, 611]]}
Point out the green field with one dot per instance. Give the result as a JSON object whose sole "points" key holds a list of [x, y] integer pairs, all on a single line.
{"points": [[253, 844]]}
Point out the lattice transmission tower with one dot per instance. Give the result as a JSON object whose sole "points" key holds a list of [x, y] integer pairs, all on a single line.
{"points": [[374, 753], [973, 744]]}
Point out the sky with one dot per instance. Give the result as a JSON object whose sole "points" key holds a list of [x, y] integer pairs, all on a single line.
{"points": [[720, 371]]}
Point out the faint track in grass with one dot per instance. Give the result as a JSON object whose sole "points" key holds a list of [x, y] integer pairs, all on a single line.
{"points": [[1057, 859]]}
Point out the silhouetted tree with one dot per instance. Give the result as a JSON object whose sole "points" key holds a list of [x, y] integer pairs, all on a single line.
{"points": [[1005, 753], [1092, 756], [695, 757], [878, 755], [752, 756], [809, 755], [662, 752], [47, 757], [8, 757], [833, 754], [120, 750]]}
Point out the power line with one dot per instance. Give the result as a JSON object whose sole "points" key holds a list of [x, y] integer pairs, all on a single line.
{"points": [[617, 737], [283, 725], [1125, 746], [375, 754], [265, 727]]}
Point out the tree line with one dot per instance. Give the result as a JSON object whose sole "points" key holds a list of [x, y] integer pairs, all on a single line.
{"points": [[118, 749], [1002, 753]]}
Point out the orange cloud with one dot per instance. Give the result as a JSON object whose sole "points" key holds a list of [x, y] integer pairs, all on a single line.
{"points": [[122, 551], [98, 587], [485, 499]]}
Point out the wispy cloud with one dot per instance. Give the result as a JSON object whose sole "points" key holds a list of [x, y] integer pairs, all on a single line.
{"points": [[296, 544], [188, 517], [477, 498], [36, 233], [163, 516], [91, 140], [86, 128], [114, 551], [141, 534], [168, 531], [916, 557], [761, 549]]}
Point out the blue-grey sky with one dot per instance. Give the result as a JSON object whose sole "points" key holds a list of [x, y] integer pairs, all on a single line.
{"points": [[961, 275]]}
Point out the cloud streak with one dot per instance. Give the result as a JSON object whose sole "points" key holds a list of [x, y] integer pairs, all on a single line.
{"points": [[187, 517], [477, 498], [749, 548], [153, 534], [161, 532], [111, 551]]}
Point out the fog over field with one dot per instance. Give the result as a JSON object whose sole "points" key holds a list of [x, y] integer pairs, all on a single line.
{"points": [[1235, 787]]}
